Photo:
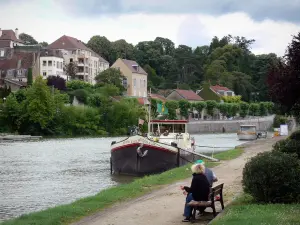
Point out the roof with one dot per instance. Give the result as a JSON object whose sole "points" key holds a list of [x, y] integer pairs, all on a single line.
{"points": [[130, 63], [217, 88], [70, 43], [159, 97], [189, 95], [12, 63], [9, 35]]}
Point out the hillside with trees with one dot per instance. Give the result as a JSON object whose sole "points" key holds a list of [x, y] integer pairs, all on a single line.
{"points": [[227, 61]]}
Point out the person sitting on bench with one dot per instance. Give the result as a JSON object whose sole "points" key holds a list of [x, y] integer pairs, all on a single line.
{"points": [[198, 191]]}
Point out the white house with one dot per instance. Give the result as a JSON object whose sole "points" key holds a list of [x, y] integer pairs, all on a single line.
{"points": [[88, 62], [52, 63]]}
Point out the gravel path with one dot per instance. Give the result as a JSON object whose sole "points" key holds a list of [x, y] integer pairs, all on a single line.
{"points": [[165, 206]]}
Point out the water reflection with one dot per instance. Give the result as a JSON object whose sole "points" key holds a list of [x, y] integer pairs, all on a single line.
{"points": [[39, 175]]}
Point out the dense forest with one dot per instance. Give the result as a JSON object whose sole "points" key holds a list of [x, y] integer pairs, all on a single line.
{"points": [[227, 61]]}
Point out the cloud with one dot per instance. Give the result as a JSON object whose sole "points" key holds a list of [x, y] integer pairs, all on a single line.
{"points": [[257, 9], [49, 22]]}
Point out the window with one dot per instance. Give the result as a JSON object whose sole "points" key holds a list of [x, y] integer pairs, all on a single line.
{"points": [[141, 82], [44, 73], [71, 60], [144, 83], [44, 63], [134, 82], [1, 53], [49, 63], [61, 65], [57, 65], [134, 93], [54, 63]]}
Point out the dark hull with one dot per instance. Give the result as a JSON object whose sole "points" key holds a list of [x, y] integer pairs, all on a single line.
{"points": [[126, 160]]}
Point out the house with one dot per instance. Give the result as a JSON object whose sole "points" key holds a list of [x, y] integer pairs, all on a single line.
{"points": [[216, 92], [188, 95], [223, 91], [14, 70], [135, 75], [52, 63], [158, 97], [8, 40], [88, 63]]}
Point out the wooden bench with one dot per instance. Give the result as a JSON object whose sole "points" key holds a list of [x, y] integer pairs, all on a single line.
{"points": [[215, 191]]}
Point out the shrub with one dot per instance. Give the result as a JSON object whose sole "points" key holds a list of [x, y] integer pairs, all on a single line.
{"points": [[290, 146], [210, 106], [272, 177], [278, 120], [295, 135]]}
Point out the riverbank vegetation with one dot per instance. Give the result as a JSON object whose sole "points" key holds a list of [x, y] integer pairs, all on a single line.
{"points": [[45, 108], [66, 214]]}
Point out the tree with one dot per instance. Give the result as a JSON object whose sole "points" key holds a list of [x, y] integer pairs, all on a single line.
{"points": [[283, 79], [28, 40], [71, 70], [57, 82], [44, 44], [29, 77], [102, 46], [111, 76]]}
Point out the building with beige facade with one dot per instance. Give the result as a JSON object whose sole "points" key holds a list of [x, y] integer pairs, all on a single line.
{"points": [[136, 77], [74, 51]]}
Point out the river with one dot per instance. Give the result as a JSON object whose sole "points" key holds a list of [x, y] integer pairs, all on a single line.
{"points": [[38, 175]]}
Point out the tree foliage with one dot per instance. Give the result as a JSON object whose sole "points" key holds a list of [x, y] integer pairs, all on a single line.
{"points": [[57, 82], [28, 39], [284, 79], [111, 76]]}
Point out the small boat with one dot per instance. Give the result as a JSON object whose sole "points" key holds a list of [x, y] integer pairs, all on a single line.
{"points": [[167, 145], [247, 132]]}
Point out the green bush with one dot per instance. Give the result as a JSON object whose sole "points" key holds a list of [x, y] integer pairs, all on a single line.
{"points": [[272, 177], [290, 146], [278, 120], [244, 108], [295, 135]]}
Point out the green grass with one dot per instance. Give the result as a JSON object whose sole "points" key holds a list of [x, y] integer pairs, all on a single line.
{"points": [[65, 214], [244, 211], [230, 154]]}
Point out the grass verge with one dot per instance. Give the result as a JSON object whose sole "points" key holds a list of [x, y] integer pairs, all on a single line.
{"points": [[245, 211], [66, 214]]}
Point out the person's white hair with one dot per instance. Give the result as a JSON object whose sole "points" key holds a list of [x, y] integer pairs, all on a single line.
{"points": [[198, 168]]}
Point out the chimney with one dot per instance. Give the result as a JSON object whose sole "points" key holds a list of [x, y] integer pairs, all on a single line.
{"points": [[17, 33], [0, 32]]}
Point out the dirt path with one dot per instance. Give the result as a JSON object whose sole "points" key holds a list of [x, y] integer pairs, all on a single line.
{"points": [[165, 206]]}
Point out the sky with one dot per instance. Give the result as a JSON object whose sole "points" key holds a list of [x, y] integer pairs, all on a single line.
{"points": [[191, 22]]}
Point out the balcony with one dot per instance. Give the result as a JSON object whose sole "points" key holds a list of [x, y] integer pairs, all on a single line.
{"points": [[82, 73]]}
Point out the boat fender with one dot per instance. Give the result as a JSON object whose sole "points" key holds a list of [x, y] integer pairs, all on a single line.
{"points": [[140, 152], [113, 142], [174, 144]]}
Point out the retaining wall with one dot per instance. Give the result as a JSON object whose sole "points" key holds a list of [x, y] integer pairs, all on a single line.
{"points": [[210, 126]]}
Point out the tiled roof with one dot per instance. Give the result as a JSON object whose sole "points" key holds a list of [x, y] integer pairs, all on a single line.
{"points": [[217, 88], [70, 43], [189, 95], [12, 63], [9, 35], [130, 63], [159, 97]]}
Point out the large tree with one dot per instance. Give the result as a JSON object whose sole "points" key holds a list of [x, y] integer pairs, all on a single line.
{"points": [[284, 79], [28, 39]]}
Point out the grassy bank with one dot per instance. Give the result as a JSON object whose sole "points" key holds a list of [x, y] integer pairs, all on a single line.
{"points": [[72, 212], [245, 211]]}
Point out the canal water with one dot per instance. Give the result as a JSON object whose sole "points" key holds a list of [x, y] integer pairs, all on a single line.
{"points": [[38, 175]]}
